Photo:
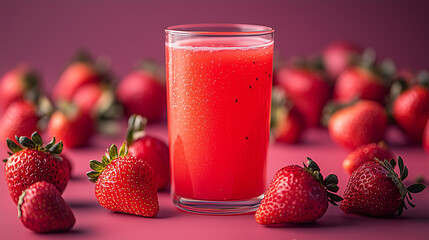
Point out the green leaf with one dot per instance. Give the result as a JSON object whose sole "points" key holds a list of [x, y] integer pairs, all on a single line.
{"points": [[130, 130], [312, 165], [123, 150], [93, 174], [96, 165], [416, 188], [13, 146], [5, 160], [393, 163], [400, 164], [26, 142], [334, 197], [404, 173], [113, 152], [409, 203], [332, 187], [330, 179], [57, 148], [17, 138], [401, 209], [50, 144], [318, 176], [37, 139], [105, 160]]}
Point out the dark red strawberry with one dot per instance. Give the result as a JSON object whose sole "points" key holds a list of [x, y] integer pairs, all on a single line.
{"points": [[19, 119], [142, 92], [42, 209], [359, 124], [338, 56], [31, 162], [20, 83], [307, 89], [426, 137], [287, 124], [297, 195], [362, 83], [124, 183], [365, 154], [411, 111], [74, 76], [72, 126], [375, 190], [148, 148]]}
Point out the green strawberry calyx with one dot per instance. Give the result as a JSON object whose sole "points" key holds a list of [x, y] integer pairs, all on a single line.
{"points": [[398, 181], [35, 142], [111, 154], [330, 183], [136, 128]]}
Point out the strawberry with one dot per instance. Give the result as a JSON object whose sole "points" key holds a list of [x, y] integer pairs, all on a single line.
{"points": [[359, 124], [74, 76], [375, 190], [297, 195], [365, 154], [337, 57], [360, 82], [307, 89], [19, 119], [42, 209], [71, 125], [286, 122], [124, 183], [67, 163], [411, 111], [148, 148], [31, 162], [142, 92], [18, 84]]}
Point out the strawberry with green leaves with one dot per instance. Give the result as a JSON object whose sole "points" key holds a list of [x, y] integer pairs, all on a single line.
{"points": [[298, 195], [31, 162], [42, 209], [151, 149], [376, 190], [124, 183]]}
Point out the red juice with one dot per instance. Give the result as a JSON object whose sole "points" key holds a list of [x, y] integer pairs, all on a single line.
{"points": [[219, 96]]}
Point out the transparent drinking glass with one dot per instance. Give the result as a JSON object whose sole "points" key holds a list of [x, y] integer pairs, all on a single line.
{"points": [[219, 80]]}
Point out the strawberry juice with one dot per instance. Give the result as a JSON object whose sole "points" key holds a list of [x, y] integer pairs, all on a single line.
{"points": [[219, 95]]}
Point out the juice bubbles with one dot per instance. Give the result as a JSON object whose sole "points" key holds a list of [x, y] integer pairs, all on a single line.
{"points": [[219, 95]]}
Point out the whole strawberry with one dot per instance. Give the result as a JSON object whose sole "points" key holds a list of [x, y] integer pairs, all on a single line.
{"points": [[362, 123], [94, 98], [337, 57], [19, 119], [297, 195], [307, 89], [31, 162], [143, 92], [411, 111], [365, 154], [375, 190], [287, 124], [42, 209], [73, 126], [124, 183], [148, 148], [362, 83], [18, 84]]}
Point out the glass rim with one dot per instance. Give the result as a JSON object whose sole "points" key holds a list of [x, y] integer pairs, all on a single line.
{"points": [[202, 29]]}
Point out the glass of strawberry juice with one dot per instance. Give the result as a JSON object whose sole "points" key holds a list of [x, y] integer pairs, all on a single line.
{"points": [[219, 80]]}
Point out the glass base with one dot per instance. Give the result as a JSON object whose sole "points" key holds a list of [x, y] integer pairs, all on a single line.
{"points": [[232, 207]]}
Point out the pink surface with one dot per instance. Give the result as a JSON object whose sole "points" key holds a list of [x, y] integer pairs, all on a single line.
{"points": [[95, 222]]}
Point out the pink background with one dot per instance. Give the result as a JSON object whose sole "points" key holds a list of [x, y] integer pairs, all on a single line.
{"points": [[45, 34]]}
